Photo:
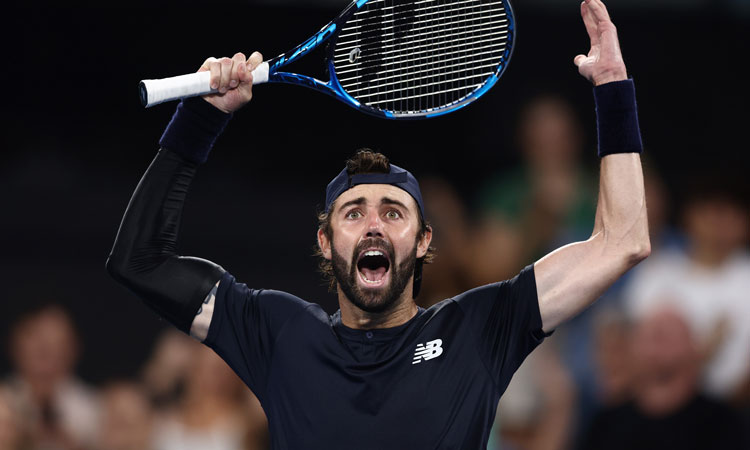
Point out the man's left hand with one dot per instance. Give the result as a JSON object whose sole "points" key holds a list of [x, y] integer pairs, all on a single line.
{"points": [[604, 63]]}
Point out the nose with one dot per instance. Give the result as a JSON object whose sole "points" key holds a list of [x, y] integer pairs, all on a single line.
{"points": [[374, 225]]}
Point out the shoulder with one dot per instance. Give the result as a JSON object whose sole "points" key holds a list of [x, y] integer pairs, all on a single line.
{"points": [[271, 307], [447, 306], [522, 284], [715, 415], [739, 265], [230, 288]]}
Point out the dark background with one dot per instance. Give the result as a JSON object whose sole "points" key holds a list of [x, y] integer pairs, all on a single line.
{"points": [[76, 139]]}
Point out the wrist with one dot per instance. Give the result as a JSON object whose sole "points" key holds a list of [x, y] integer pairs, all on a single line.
{"points": [[194, 128], [610, 76], [617, 118], [212, 103]]}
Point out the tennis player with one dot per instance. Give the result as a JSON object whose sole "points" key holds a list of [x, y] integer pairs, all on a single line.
{"points": [[381, 373]]}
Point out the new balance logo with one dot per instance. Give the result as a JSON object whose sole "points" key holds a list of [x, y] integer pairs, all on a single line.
{"points": [[427, 351]]}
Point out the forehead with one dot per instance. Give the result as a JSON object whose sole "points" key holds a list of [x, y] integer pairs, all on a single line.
{"points": [[374, 193]]}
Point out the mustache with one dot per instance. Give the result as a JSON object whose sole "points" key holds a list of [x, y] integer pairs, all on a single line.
{"points": [[378, 243]]}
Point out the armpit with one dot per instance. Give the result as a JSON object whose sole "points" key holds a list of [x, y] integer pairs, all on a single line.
{"points": [[202, 321]]}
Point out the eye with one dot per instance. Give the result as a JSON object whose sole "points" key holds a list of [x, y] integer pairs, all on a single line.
{"points": [[393, 214], [354, 214]]}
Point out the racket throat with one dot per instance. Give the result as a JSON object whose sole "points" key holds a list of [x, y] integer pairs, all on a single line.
{"points": [[313, 65]]}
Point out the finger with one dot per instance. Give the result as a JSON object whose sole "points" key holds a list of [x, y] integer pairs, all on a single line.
{"points": [[610, 45], [590, 22], [599, 11], [609, 40], [585, 69], [215, 68], [254, 61], [246, 90], [226, 72], [579, 59], [205, 66], [238, 65], [243, 70]]}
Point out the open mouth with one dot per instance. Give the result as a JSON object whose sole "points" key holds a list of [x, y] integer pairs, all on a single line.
{"points": [[373, 266]]}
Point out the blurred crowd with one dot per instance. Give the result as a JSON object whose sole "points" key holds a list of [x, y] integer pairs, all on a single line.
{"points": [[185, 398], [661, 361]]}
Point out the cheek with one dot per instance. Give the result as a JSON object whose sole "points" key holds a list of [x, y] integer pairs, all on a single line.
{"points": [[343, 242], [404, 242]]}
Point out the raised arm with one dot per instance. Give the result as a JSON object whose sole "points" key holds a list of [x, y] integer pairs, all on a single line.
{"points": [[144, 256], [572, 277]]}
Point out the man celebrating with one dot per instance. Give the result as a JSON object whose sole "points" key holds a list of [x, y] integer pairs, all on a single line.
{"points": [[381, 372]]}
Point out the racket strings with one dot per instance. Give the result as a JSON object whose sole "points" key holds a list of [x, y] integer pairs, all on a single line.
{"points": [[412, 57], [405, 22], [420, 45], [445, 57]]}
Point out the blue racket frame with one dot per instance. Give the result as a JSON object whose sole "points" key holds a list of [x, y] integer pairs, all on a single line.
{"points": [[333, 88]]}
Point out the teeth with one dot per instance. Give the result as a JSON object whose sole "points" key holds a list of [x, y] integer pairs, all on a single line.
{"points": [[373, 253]]}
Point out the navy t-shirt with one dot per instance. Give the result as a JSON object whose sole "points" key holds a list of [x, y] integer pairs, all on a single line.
{"points": [[431, 383]]}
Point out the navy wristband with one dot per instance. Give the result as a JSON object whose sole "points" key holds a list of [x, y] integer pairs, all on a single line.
{"points": [[193, 129], [617, 118]]}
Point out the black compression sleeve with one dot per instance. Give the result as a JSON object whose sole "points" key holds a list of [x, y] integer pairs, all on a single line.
{"points": [[144, 257]]}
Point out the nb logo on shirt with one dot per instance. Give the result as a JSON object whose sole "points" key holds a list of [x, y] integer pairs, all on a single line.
{"points": [[427, 351]]}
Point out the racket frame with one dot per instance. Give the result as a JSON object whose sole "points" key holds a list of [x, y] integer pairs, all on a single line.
{"points": [[329, 34]]}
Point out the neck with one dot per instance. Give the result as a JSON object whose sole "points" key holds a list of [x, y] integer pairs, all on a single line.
{"points": [[709, 256], [43, 387], [403, 310]]}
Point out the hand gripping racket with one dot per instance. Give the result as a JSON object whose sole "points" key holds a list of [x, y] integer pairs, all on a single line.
{"points": [[400, 59]]}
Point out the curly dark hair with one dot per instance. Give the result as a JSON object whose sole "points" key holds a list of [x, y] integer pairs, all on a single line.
{"points": [[367, 161]]}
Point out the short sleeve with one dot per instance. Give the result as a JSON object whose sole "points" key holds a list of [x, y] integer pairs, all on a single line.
{"points": [[506, 322], [245, 325]]}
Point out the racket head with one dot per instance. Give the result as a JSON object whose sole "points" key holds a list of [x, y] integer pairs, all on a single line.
{"points": [[417, 59]]}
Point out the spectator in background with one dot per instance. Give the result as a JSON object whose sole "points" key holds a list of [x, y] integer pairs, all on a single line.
{"points": [[215, 411], [448, 275], [709, 283], [612, 357], [11, 437], [165, 373], [667, 410], [256, 437], [56, 409], [537, 411], [126, 421], [658, 198], [549, 201]]}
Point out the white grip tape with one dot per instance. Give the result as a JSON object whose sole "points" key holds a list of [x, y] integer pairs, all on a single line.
{"points": [[260, 74], [163, 90]]}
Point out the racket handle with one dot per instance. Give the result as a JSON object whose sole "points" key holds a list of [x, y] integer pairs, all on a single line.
{"points": [[153, 92]]}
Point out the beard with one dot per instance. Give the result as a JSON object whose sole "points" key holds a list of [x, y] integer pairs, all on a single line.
{"points": [[373, 300]]}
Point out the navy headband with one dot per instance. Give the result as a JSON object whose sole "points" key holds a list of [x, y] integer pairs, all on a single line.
{"points": [[396, 177]]}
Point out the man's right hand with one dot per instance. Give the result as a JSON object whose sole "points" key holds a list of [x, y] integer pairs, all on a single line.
{"points": [[233, 79]]}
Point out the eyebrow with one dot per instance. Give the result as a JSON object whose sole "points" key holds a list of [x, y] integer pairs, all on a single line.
{"points": [[356, 201], [390, 201], [362, 201]]}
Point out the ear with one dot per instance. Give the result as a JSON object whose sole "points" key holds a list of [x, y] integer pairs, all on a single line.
{"points": [[424, 243], [325, 244]]}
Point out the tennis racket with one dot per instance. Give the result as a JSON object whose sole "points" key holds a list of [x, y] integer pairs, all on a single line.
{"points": [[399, 59]]}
